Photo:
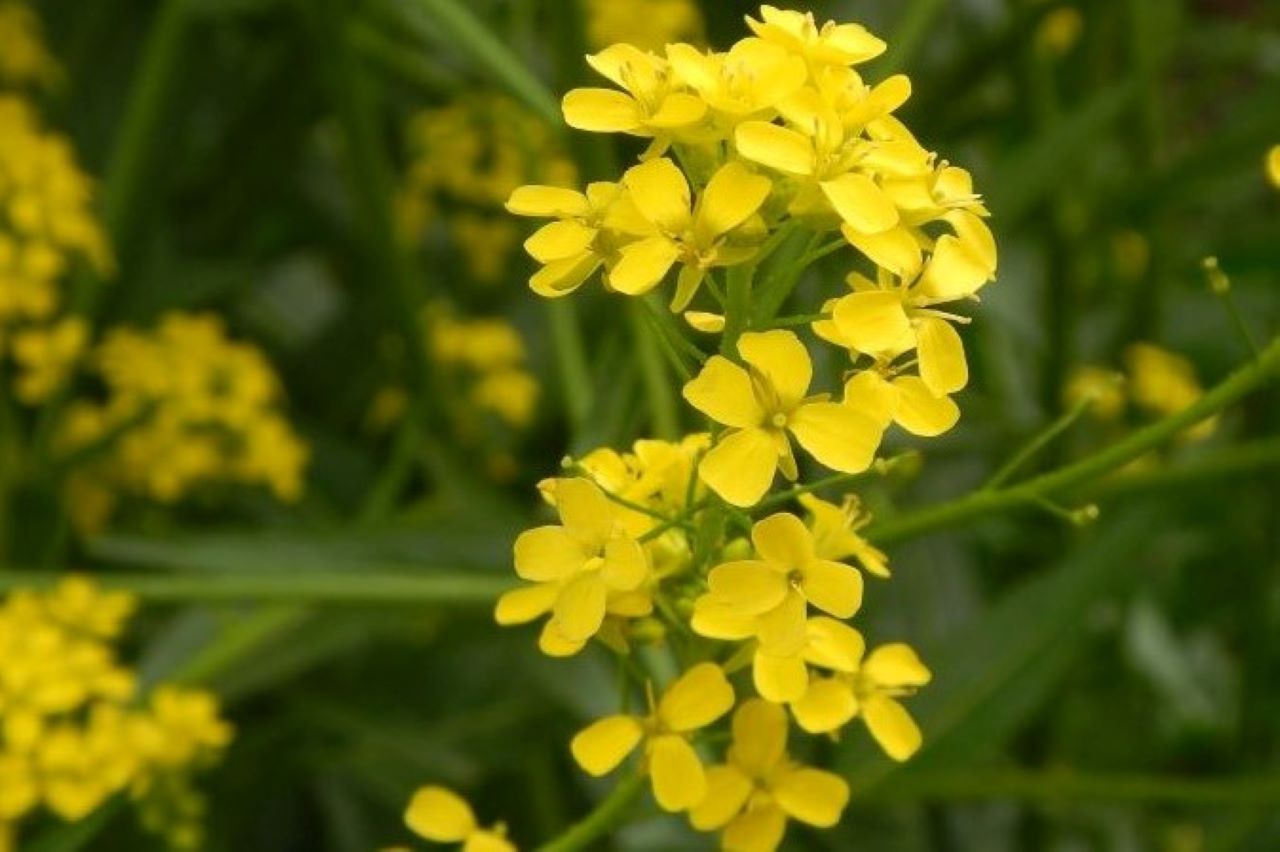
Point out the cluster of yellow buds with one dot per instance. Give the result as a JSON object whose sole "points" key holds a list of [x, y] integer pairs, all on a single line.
{"points": [[483, 362], [465, 159], [24, 61], [73, 729], [47, 226], [760, 161], [1156, 380], [185, 407]]}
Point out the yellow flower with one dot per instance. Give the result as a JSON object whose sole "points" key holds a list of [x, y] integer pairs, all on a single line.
{"points": [[752, 78], [694, 236], [647, 24], [761, 404], [751, 795], [442, 816], [832, 43], [869, 688], [1102, 387], [835, 533], [900, 314], [775, 589], [1165, 383], [1059, 31], [699, 697], [46, 357], [23, 56], [577, 567], [652, 104], [587, 230], [1273, 166]]}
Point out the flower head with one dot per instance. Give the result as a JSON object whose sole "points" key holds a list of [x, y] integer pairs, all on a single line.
{"points": [[699, 697], [832, 43], [762, 403]]}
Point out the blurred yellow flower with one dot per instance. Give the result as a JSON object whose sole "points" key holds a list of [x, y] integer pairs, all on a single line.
{"points": [[442, 816], [762, 403], [1165, 383], [46, 356], [1059, 31], [1103, 389], [1273, 166], [647, 24], [24, 59], [699, 697], [750, 796]]}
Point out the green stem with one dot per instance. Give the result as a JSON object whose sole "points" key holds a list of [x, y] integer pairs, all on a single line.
{"points": [[611, 811], [1238, 384], [662, 406], [829, 482], [571, 360], [239, 641], [737, 308], [1038, 442], [671, 333], [799, 319], [298, 587]]}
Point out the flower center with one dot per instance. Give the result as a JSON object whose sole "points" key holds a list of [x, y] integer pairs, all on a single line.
{"points": [[779, 420]]}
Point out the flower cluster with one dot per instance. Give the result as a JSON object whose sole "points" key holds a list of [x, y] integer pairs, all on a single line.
{"points": [[24, 61], [759, 162], [465, 159], [648, 24], [47, 226], [73, 729], [1155, 381], [484, 359], [185, 407]]}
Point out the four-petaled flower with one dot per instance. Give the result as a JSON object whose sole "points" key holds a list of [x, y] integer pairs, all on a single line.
{"points": [[763, 402], [751, 795], [442, 816], [699, 697]]}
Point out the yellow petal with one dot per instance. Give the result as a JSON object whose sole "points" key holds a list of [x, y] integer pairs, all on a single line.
{"points": [[548, 553], [872, 321], [748, 587], [550, 201], [827, 706], [779, 679], [759, 737], [783, 538], [832, 587], [705, 322], [732, 196], [642, 265], [953, 272], [1273, 166], [586, 513], [862, 204], [559, 240], [896, 664], [834, 645], [836, 435], [601, 111], [941, 351], [487, 841], [687, 284], [895, 249], [716, 620], [976, 238], [679, 782], [920, 412], [892, 726], [697, 698], [661, 193], [812, 796], [561, 277], [553, 643], [759, 829], [439, 815], [620, 62], [625, 564], [579, 608], [520, 606], [867, 392], [781, 630], [781, 358], [605, 743], [678, 109], [633, 604], [722, 391], [854, 43], [727, 792], [740, 468], [776, 147]]}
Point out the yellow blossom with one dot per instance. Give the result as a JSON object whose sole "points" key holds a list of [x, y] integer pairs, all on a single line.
{"points": [[577, 567], [832, 43], [751, 79], [835, 533], [647, 24], [869, 688], [1273, 166], [763, 402], [1102, 388], [1165, 383], [697, 237], [442, 816], [699, 697], [23, 56], [751, 795], [46, 357]]}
